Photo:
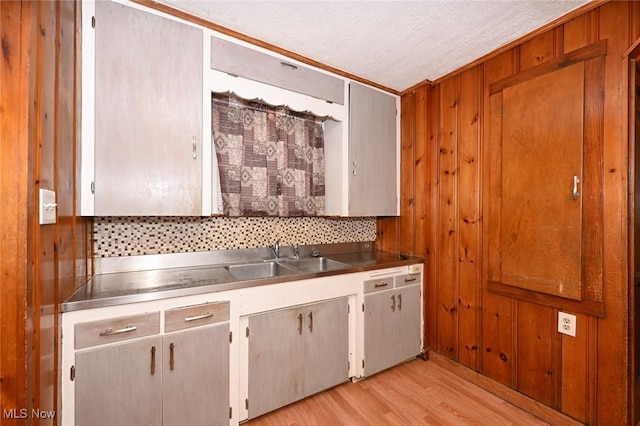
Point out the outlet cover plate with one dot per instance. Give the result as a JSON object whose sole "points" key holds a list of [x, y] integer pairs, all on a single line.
{"points": [[567, 324]]}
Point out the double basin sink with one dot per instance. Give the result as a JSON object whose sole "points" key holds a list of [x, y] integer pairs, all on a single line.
{"points": [[282, 267]]}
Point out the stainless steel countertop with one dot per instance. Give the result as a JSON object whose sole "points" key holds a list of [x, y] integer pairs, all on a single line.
{"points": [[112, 289]]}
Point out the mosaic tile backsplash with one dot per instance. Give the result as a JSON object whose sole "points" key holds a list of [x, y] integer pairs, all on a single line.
{"points": [[128, 236]]}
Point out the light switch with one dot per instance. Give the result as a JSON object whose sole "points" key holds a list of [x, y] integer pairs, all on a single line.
{"points": [[47, 207]]}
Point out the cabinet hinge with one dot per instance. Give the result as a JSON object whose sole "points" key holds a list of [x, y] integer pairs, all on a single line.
{"points": [[72, 373], [93, 22], [247, 331], [230, 413], [246, 403], [230, 336]]}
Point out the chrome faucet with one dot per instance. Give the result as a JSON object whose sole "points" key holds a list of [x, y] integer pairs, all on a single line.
{"points": [[296, 252], [275, 249]]}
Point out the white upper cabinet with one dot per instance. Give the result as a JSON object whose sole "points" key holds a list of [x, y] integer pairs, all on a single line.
{"points": [[147, 150], [362, 168], [142, 135]]}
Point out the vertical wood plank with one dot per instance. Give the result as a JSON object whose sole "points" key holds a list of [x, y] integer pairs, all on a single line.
{"points": [[433, 256], [576, 33], [538, 50], [535, 367], [612, 353], [407, 179], [497, 353], [421, 182], [44, 293], [469, 217], [447, 206], [574, 356], [16, 243]]}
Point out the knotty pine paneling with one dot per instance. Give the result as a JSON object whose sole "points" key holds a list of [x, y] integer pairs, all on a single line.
{"points": [[447, 237], [497, 326], [41, 264], [585, 377], [468, 215], [16, 384]]}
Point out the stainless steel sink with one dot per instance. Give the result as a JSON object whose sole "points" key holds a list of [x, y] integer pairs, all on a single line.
{"points": [[253, 271], [315, 264]]}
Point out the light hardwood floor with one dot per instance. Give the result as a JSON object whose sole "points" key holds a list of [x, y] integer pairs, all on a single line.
{"points": [[414, 393]]}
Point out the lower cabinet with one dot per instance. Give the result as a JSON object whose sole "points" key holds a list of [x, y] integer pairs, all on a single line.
{"points": [[181, 377], [119, 384], [195, 377], [296, 352], [392, 322]]}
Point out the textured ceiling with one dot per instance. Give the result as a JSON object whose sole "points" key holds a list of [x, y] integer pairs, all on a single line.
{"points": [[394, 43]]}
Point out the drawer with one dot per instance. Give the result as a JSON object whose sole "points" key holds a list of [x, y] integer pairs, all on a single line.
{"points": [[408, 279], [378, 284], [196, 315], [116, 329]]}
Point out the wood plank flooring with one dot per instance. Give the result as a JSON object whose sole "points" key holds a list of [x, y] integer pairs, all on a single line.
{"points": [[414, 393]]}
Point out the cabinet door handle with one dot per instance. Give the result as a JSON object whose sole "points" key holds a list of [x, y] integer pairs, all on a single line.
{"points": [[311, 322], [393, 303], [153, 360], [127, 329], [355, 168], [399, 302], [171, 360], [299, 323], [198, 317], [576, 192], [194, 145]]}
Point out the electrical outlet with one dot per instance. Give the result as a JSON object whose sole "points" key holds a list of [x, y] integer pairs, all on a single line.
{"points": [[567, 324]]}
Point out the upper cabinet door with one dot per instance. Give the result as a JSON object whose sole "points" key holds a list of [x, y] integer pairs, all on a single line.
{"points": [[542, 136], [148, 114], [544, 204], [373, 152]]}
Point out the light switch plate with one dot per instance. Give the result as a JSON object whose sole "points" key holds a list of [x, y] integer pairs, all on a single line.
{"points": [[47, 207]]}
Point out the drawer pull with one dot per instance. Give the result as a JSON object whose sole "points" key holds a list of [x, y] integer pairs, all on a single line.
{"points": [[111, 332], [198, 317], [410, 280], [381, 285]]}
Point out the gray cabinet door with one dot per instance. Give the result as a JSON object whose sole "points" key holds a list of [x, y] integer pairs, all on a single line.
{"points": [[407, 323], [296, 352], [391, 327], [195, 377], [373, 148], [148, 114], [326, 356], [119, 384], [378, 331]]}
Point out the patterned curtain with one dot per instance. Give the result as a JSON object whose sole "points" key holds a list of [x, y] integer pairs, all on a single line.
{"points": [[270, 159]]}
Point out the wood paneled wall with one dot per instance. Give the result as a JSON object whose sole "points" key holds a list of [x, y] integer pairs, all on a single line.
{"points": [[514, 342], [40, 265]]}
